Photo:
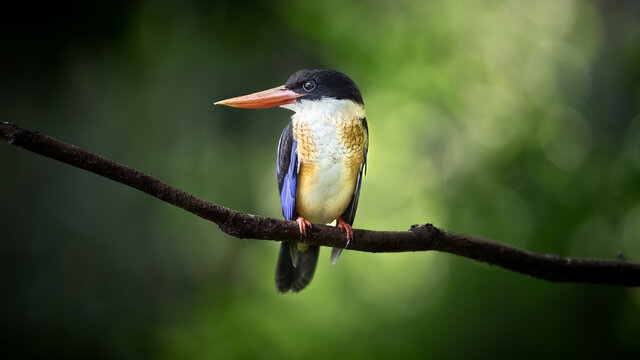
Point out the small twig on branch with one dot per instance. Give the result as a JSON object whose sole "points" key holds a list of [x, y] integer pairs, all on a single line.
{"points": [[419, 238]]}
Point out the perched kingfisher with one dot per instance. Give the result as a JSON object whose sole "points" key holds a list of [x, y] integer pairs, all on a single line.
{"points": [[322, 157]]}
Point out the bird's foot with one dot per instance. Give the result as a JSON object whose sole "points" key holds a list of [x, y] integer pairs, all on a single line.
{"points": [[303, 225], [347, 229]]}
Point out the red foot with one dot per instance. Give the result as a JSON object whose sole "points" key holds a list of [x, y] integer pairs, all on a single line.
{"points": [[303, 225], [347, 228]]}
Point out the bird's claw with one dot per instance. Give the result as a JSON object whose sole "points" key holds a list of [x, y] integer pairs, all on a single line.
{"points": [[303, 225], [347, 229]]}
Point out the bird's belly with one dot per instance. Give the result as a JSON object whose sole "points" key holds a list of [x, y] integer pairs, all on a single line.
{"points": [[324, 190]]}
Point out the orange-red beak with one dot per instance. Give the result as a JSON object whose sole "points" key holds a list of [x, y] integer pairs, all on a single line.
{"points": [[263, 99]]}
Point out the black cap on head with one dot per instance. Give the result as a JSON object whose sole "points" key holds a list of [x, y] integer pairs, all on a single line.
{"points": [[318, 83]]}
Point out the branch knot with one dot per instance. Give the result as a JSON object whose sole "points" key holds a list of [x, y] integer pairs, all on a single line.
{"points": [[428, 235]]}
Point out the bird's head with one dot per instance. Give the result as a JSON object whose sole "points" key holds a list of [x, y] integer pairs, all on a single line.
{"points": [[304, 89]]}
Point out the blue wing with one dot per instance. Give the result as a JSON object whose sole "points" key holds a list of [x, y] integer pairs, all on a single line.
{"points": [[295, 267], [287, 172]]}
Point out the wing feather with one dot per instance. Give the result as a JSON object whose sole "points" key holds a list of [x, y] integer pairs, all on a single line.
{"points": [[350, 213], [287, 172]]}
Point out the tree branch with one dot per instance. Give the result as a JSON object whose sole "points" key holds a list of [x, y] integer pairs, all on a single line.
{"points": [[419, 238]]}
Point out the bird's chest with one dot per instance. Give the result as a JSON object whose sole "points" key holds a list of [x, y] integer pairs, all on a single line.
{"points": [[330, 154]]}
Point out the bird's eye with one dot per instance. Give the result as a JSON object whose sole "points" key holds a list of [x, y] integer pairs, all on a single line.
{"points": [[308, 86]]}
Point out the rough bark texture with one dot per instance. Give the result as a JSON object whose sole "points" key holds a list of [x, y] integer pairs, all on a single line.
{"points": [[419, 238]]}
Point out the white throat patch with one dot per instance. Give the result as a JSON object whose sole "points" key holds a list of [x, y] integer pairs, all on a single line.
{"points": [[326, 108]]}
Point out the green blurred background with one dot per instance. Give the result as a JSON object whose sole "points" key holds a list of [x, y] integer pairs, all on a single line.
{"points": [[513, 120]]}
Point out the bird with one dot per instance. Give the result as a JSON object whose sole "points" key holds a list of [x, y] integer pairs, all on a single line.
{"points": [[321, 160]]}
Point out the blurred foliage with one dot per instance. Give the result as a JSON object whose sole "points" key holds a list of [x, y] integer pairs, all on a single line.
{"points": [[518, 121]]}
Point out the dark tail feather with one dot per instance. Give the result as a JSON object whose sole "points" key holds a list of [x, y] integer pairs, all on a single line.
{"points": [[284, 269], [305, 267], [295, 278]]}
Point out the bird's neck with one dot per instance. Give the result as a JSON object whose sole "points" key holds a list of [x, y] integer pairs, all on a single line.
{"points": [[326, 110]]}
